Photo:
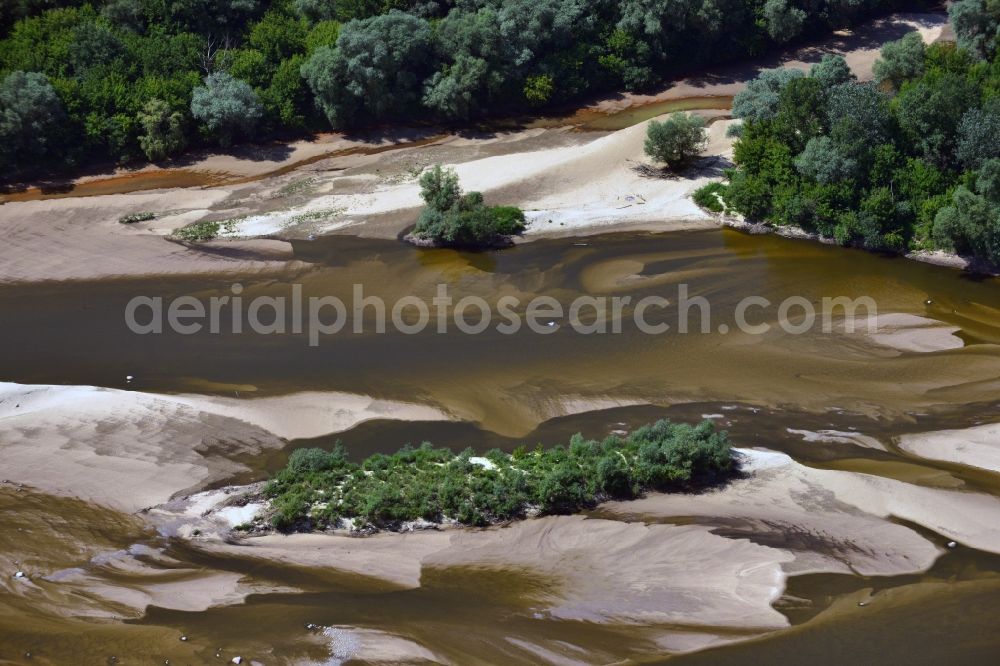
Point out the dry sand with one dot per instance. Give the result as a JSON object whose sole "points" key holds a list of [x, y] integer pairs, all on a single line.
{"points": [[78, 239], [833, 520], [976, 447], [130, 450]]}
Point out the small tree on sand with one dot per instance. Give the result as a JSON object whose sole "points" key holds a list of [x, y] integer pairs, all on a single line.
{"points": [[677, 140], [463, 220]]}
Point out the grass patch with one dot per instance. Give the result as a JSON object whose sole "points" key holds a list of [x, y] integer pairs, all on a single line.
{"points": [[711, 197], [295, 187], [206, 230], [320, 489], [136, 217], [316, 215]]}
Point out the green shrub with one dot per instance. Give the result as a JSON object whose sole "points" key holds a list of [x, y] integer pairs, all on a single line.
{"points": [[136, 217], [463, 220], [198, 232], [710, 197], [319, 487], [677, 140]]}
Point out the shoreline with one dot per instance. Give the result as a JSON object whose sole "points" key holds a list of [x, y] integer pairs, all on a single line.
{"points": [[248, 162], [939, 258]]}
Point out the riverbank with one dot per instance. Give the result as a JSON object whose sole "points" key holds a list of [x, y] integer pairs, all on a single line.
{"points": [[570, 183], [932, 257]]}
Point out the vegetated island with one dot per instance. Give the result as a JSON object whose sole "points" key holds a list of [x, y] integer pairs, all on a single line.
{"points": [[428, 486], [452, 218], [907, 163]]}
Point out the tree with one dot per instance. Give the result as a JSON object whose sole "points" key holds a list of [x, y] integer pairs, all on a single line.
{"points": [[456, 91], [901, 60], [988, 181], [976, 23], [865, 108], [377, 68], [784, 21], [801, 112], [127, 14], [538, 89], [759, 100], [163, 130], [676, 140], [978, 136], [832, 70], [929, 112], [453, 218], [439, 188], [824, 162], [226, 106], [31, 120], [970, 225], [94, 44]]}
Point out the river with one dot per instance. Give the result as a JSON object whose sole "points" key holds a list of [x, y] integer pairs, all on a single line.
{"points": [[507, 390]]}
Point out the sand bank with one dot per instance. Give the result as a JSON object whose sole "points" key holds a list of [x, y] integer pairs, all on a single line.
{"points": [[909, 333], [132, 450], [79, 239], [596, 570], [833, 521], [977, 447]]}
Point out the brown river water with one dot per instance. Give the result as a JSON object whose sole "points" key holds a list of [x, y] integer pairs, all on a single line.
{"points": [[507, 390]]}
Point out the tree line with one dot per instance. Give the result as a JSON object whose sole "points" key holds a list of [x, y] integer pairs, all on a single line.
{"points": [[124, 80], [908, 161]]}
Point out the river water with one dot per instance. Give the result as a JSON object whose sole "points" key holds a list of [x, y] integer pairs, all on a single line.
{"points": [[507, 390]]}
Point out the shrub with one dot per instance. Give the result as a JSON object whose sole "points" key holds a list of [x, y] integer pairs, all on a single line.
{"points": [[677, 140], [710, 197], [318, 487], [198, 232], [463, 220], [136, 217]]}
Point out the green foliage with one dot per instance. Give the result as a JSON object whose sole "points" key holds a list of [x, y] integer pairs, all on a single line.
{"points": [[318, 488], [375, 71], [970, 225], [929, 111], [824, 162], [979, 136], [316, 63], [137, 217], [226, 106], [538, 89], [784, 21], [976, 24], [832, 70], [163, 130], [913, 165], [199, 231], [31, 120], [453, 218], [759, 100], [711, 197], [677, 140], [901, 60]]}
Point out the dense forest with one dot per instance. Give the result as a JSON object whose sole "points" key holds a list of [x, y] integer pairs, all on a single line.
{"points": [[122, 80], [908, 161]]}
